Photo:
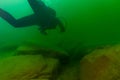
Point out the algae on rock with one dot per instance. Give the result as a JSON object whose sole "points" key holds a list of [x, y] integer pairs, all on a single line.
{"points": [[101, 64]]}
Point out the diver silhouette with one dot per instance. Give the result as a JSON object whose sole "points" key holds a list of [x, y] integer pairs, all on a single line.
{"points": [[44, 17]]}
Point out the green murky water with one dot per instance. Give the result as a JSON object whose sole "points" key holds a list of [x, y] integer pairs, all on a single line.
{"points": [[88, 23]]}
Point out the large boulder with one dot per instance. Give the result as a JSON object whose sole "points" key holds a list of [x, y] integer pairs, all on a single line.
{"points": [[27, 67], [32, 62], [101, 64]]}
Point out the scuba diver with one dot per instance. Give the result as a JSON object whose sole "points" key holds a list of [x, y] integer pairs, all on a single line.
{"points": [[44, 17]]}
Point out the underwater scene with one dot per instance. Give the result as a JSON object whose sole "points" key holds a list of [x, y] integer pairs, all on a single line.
{"points": [[59, 40]]}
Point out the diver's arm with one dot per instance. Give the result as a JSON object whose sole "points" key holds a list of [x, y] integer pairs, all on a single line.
{"points": [[36, 1], [42, 30], [61, 26], [36, 5]]}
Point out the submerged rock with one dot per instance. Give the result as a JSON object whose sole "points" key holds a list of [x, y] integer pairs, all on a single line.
{"points": [[101, 64], [46, 52], [32, 62], [27, 67]]}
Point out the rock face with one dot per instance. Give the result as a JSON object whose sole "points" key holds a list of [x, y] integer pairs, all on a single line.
{"points": [[101, 64], [31, 63], [27, 67]]}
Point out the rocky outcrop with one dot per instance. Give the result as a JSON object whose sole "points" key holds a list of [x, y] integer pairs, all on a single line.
{"points": [[32, 63], [27, 67], [46, 52], [101, 64]]}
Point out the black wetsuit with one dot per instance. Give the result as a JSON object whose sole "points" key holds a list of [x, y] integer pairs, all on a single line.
{"points": [[43, 16]]}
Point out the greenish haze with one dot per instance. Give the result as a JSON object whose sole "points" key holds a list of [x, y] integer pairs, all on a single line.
{"points": [[88, 22]]}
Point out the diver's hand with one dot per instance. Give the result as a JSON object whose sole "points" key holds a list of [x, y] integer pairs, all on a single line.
{"points": [[42, 31], [62, 29], [61, 26]]}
